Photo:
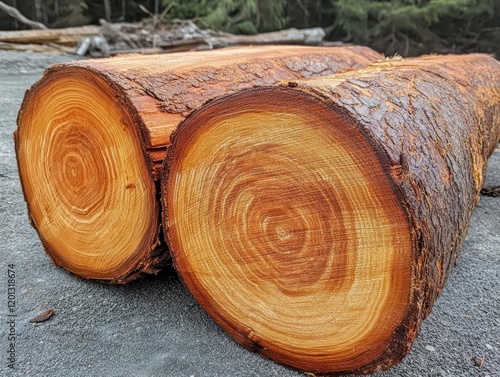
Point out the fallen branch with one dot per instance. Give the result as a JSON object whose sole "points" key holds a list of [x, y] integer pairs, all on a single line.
{"points": [[13, 12], [493, 191]]}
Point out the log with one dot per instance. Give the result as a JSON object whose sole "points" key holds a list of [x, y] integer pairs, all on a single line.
{"points": [[92, 136], [66, 36], [316, 222], [41, 48], [312, 36]]}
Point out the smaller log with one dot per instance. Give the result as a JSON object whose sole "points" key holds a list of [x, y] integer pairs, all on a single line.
{"points": [[313, 36]]}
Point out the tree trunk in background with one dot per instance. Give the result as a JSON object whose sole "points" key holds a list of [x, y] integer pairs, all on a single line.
{"points": [[317, 222], [124, 10], [38, 11], [107, 10], [16, 23], [92, 136]]}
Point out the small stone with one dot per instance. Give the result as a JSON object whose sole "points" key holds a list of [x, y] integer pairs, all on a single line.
{"points": [[489, 347], [430, 348]]}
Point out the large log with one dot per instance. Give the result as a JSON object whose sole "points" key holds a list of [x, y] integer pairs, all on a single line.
{"points": [[92, 136], [318, 221]]}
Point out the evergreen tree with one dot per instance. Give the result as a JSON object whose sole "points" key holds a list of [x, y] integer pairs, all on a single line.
{"points": [[426, 22], [235, 16]]}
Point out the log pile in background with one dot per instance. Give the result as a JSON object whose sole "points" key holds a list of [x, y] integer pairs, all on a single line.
{"points": [[92, 136], [155, 36], [317, 222], [65, 37], [149, 36]]}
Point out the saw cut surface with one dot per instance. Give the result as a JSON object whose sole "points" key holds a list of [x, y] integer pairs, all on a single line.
{"points": [[84, 175], [284, 225]]}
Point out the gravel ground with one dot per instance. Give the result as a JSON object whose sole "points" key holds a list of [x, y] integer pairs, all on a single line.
{"points": [[155, 328]]}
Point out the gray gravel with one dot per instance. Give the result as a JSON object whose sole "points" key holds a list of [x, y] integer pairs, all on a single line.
{"points": [[155, 328]]}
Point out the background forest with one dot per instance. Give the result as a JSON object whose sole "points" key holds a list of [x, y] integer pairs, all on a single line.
{"points": [[407, 27]]}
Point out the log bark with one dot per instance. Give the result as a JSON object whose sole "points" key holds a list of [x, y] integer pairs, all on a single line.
{"points": [[317, 222], [92, 136]]}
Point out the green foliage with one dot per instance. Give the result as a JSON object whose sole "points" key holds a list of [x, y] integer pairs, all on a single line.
{"points": [[235, 16], [366, 21]]}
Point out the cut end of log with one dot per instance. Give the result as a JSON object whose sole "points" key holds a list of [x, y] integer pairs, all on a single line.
{"points": [[95, 133], [285, 223], [85, 176]]}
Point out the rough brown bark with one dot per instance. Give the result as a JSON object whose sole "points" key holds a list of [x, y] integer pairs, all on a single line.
{"points": [[317, 222], [92, 136]]}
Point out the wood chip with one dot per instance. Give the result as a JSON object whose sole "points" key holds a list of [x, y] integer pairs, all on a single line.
{"points": [[493, 191], [43, 316], [478, 361]]}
